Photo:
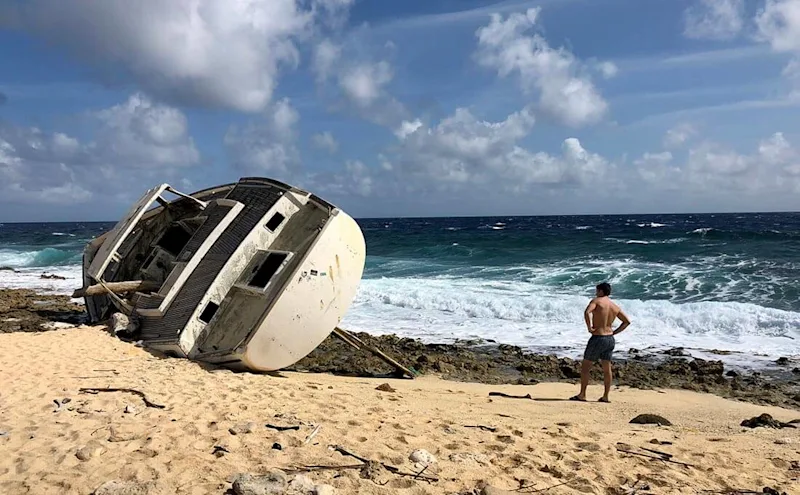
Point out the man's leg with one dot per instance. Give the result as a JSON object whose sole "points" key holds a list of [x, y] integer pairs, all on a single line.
{"points": [[586, 367], [607, 376]]}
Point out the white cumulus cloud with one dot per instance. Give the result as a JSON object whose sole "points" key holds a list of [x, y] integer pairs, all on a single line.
{"points": [[325, 141], [679, 135], [218, 53], [565, 91], [714, 19], [138, 141], [266, 145]]}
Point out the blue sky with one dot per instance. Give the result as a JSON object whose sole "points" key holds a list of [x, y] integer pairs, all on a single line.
{"points": [[413, 108]]}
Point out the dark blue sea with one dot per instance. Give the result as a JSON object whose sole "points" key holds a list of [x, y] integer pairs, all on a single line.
{"points": [[726, 281]]}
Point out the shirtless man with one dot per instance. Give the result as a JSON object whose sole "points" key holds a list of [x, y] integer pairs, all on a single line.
{"points": [[600, 315]]}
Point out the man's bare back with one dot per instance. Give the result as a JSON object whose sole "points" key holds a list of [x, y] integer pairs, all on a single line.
{"points": [[603, 313]]}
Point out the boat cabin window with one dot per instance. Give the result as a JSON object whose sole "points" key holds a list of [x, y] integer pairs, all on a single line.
{"points": [[269, 267], [174, 239], [209, 312], [275, 222]]}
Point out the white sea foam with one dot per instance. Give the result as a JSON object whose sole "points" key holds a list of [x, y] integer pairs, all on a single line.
{"points": [[654, 241], [30, 278], [652, 225]]}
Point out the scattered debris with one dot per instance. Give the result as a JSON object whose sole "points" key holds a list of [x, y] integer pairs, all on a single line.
{"points": [[660, 456], [385, 387], [482, 427], [509, 396], [147, 402], [52, 276], [357, 343], [129, 409], [220, 451], [370, 465], [312, 434], [782, 361], [282, 428], [766, 421], [277, 446], [651, 419]]}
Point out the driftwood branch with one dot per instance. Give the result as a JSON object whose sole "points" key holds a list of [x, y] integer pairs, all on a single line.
{"points": [[663, 454], [312, 434], [358, 343], [117, 288], [147, 402], [308, 469], [509, 396], [281, 428], [482, 427], [540, 490], [656, 457]]}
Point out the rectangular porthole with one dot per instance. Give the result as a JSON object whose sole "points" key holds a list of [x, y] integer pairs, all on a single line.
{"points": [[275, 222], [269, 267], [209, 312]]}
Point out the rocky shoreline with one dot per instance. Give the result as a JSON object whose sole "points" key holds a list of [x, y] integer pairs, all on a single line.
{"points": [[24, 310]]}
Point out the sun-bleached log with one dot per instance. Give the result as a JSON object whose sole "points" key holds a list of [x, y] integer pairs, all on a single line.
{"points": [[118, 288]]}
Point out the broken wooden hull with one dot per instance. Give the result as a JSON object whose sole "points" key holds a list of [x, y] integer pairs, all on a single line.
{"points": [[252, 275]]}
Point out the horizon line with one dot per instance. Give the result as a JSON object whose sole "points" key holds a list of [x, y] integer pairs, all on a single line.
{"points": [[792, 212]]}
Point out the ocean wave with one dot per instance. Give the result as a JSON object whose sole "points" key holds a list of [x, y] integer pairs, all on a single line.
{"points": [[63, 234], [532, 315], [41, 258], [652, 225], [638, 241]]}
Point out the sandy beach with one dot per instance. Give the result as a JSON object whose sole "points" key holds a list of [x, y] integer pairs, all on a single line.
{"points": [[56, 439]]}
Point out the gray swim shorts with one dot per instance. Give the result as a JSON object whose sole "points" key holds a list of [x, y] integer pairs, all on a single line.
{"points": [[599, 348]]}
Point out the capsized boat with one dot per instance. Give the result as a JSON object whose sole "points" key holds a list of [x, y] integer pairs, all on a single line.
{"points": [[251, 275]]}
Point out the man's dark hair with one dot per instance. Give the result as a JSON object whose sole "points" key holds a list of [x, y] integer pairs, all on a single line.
{"points": [[605, 288]]}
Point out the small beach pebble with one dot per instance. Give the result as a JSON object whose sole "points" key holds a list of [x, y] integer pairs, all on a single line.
{"points": [[130, 409], [89, 451], [242, 428], [385, 387], [785, 441]]}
